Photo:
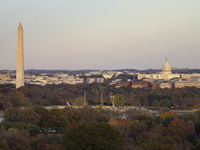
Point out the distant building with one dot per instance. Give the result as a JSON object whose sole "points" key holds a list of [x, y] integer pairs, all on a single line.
{"points": [[99, 80], [114, 82], [73, 80], [140, 84], [166, 74], [164, 85], [194, 76], [1, 81], [10, 81], [4, 77], [133, 84], [122, 83], [93, 80], [183, 84], [105, 74], [37, 83]]}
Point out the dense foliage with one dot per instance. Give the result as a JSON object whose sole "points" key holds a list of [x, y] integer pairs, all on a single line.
{"points": [[88, 128], [98, 136], [28, 125], [73, 94]]}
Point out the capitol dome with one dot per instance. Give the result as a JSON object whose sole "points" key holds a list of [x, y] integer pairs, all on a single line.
{"points": [[166, 68]]}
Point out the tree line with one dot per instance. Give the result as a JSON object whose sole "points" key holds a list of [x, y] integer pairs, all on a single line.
{"points": [[74, 94]]}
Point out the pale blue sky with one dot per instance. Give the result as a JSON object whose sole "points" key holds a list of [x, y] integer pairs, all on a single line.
{"points": [[101, 34]]}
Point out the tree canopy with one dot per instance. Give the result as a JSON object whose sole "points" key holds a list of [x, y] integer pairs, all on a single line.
{"points": [[94, 136]]}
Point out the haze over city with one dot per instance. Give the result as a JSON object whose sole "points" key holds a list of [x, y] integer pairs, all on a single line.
{"points": [[106, 34]]}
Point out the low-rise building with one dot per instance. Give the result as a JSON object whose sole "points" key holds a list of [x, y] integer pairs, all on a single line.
{"points": [[105, 74], [194, 76], [10, 81], [37, 83], [93, 80], [73, 80], [164, 85], [140, 84], [133, 84], [122, 83], [182, 84]]}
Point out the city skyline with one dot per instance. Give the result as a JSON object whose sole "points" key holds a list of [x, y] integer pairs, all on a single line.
{"points": [[118, 34]]}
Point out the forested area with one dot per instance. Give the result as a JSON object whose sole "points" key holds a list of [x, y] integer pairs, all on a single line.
{"points": [[60, 94], [28, 125], [36, 128]]}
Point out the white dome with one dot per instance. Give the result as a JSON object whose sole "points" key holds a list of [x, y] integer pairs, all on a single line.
{"points": [[166, 68]]}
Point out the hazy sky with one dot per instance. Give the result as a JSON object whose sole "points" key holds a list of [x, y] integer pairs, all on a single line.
{"points": [[101, 34]]}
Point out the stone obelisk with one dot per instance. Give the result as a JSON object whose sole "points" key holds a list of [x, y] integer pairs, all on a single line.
{"points": [[20, 58]]}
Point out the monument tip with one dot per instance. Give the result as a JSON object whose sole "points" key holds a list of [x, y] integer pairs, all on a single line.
{"points": [[20, 24]]}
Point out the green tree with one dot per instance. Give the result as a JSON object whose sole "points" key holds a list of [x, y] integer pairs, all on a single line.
{"points": [[55, 120], [25, 102], [93, 136], [79, 101], [119, 100], [23, 115], [95, 91]]}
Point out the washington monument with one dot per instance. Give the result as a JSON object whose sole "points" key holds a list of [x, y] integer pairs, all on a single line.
{"points": [[20, 58]]}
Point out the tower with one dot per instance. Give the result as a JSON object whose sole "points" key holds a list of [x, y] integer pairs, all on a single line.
{"points": [[20, 58], [101, 105], [101, 99], [85, 100]]}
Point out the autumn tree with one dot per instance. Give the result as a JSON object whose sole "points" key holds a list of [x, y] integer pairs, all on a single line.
{"points": [[18, 140], [180, 129]]}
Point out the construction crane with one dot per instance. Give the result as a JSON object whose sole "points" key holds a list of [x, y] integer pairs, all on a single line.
{"points": [[68, 104]]}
